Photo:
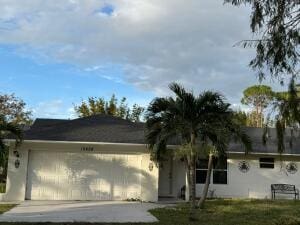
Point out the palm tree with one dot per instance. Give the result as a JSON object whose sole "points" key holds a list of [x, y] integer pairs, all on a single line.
{"points": [[197, 122], [222, 130]]}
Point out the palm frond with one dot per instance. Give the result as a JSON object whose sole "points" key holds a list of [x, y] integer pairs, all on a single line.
{"points": [[178, 90]]}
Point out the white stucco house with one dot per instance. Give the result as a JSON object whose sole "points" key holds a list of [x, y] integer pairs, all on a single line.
{"points": [[105, 158]]}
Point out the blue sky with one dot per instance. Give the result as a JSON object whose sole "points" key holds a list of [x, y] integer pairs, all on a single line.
{"points": [[50, 89], [55, 53]]}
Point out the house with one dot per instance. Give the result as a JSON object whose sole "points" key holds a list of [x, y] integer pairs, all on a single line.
{"points": [[106, 158]]}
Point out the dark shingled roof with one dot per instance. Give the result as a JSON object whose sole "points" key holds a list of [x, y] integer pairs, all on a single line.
{"points": [[98, 128], [46, 122], [291, 141], [104, 128]]}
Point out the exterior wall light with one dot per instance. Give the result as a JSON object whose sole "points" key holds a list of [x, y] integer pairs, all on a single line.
{"points": [[150, 166]]}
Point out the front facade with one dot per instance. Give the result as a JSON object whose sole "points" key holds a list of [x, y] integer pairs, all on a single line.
{"points": [[78, 160], [240, 176]]}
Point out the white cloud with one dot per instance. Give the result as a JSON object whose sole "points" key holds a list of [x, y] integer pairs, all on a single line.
{"points": [[156, 42], [53, 109]]}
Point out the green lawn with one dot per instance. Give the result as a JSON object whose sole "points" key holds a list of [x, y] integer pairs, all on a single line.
{"points": [[235, 212], [224, 212], [5, 207]]}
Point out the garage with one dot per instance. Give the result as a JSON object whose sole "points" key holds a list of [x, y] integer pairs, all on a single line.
{"points": [[61, 175], [99, 157]]}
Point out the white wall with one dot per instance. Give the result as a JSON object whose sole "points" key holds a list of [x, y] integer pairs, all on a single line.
{"points": [[149, 180], [17, 177], [253, 184], [256, 183]]}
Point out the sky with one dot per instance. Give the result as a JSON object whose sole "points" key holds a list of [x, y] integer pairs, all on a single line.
{"points": [[54, 54]]}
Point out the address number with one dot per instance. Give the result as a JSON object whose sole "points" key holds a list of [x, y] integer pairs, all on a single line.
{"points": [[87, 149]]}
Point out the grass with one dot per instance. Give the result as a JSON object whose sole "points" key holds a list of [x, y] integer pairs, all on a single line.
{"points": [[222, 212], [5, 207], [235, 212]]}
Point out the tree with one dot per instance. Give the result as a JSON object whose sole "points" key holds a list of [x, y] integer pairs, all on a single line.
{"points": [[13, 117], [136, 113], [95, 106], [196, 122], [248, 119], [8, 129], [287, 113], [14, 110], [276, 23], [111, 106], [259, 97], [123, 108], [241, 118]]}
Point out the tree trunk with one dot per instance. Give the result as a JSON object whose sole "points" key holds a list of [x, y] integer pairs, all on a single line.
{"points": [[257, 116], [207, 182], [188, 185], [193, 178]]}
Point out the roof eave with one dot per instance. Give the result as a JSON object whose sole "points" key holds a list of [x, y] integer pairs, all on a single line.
{"points": [[262, 153]]}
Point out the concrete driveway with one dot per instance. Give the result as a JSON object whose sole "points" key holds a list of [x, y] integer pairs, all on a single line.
{"points": [[80, 211]]}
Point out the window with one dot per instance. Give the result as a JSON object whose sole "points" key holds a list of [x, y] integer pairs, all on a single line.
{"points": [[266, 163], [201, 170], [219, 171]]}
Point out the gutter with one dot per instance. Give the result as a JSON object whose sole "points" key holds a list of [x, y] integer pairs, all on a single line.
{"points": [[83, 142], [261, 153], [136, 144]]}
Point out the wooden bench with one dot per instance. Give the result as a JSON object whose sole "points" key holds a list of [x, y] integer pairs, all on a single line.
{"points": [[284, 189]]}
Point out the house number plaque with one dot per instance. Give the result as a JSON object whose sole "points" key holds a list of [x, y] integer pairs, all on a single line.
{"points": [[87, 149]]}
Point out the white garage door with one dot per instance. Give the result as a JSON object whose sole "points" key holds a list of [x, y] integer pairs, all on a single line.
{"points": [[83, 176]]}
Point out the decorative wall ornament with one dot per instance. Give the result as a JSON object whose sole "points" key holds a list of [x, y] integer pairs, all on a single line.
{"points": [[244, 166], [292, 168]]}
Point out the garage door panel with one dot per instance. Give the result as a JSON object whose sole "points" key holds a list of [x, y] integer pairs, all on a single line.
{"points": [[83, 176]]}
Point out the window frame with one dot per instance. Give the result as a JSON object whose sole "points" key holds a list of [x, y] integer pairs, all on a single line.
{"points": [[212, 173], [219, 170], [269, 161]]}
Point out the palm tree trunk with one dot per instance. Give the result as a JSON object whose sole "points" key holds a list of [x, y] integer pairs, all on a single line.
{"points": [[193, 178], [207, 181], [187, 197]]}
